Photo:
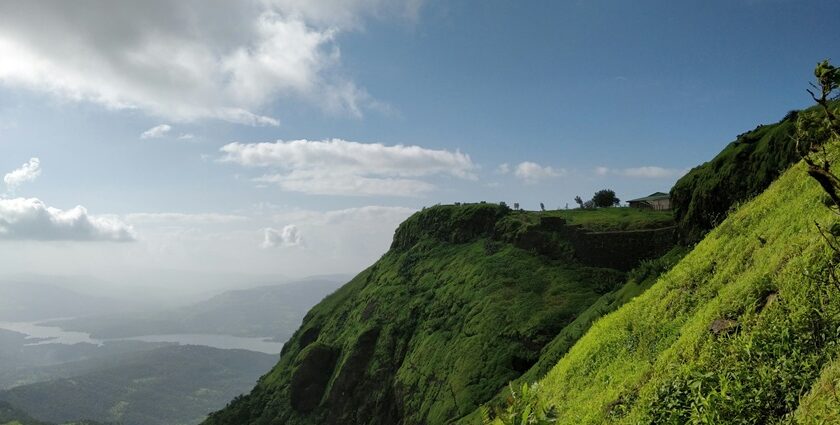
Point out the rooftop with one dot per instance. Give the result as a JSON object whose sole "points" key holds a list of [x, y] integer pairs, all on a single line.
{"points": [[652, 197]]}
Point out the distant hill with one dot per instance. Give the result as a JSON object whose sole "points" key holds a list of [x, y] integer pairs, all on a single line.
{"points": [[10, 415], [26, 300], [164, 386], [266, 311]]}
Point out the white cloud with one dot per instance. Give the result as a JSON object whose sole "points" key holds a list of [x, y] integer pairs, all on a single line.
{"points": [[531, 172], [156, 132], [503, 168], [646, 172], [25, 173], [189, 59], [287, 237], [340, 167], [184, 218], [187, 136], [31, 219]]}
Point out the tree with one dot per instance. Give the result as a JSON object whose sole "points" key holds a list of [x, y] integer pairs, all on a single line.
{"points": [[813, 132], [579, 201], [605, 198], [542, 206], [516, 206]]}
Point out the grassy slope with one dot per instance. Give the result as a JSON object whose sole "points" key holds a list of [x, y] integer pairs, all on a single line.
{"points": [[436, 327], [656, 361], [639, 280]]}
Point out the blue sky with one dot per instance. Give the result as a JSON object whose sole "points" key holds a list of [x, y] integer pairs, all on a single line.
{"points": [[394, 105]]}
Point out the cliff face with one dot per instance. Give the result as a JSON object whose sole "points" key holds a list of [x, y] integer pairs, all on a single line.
{"points": [[463, 303]]}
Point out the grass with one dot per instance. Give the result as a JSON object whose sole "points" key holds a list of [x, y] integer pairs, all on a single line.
{"points": [[638, 280], [655, 359], [601, 219]]}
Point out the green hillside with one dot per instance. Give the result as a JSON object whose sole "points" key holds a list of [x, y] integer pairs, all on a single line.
{"points": [[464, 302], [742, 330]]}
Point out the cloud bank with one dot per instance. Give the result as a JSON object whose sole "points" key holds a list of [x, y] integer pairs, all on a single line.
{"points": [[25, 173], [340, 167], [31, 219], [190, 59]]}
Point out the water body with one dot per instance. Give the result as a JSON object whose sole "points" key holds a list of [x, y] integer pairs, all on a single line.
{"points": [[226, 342], [41, 334]]}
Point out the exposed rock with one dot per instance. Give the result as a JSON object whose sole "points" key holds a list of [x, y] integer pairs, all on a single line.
{"points": [[310, 379], [770, 299], [347, 393], [723, 326], [309, 336]]}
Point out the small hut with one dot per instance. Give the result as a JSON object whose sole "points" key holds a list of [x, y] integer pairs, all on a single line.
{"points": [[655, 201]]}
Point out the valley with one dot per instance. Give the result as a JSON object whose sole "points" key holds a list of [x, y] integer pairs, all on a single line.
{"points": [[140, 378]]}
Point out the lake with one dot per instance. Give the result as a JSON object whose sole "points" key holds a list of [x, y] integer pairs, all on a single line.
{"points": [[55, 335]]}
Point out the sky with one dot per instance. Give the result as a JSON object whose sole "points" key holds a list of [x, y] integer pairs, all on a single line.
{"points": [[291, 137]]}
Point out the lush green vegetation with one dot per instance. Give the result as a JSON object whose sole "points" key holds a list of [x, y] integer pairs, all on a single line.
{"points": [[169, 385], [464, 302], [638, 280], [741, 330]]}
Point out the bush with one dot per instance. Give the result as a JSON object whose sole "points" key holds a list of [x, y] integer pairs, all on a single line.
{"points": [[524, 408]]}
